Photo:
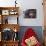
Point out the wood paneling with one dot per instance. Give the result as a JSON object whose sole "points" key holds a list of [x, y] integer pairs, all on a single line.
{"points": [[44, 4], [11, 26], [10, 43]]}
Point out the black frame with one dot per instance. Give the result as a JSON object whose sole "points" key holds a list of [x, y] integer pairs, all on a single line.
{"points": [[30, 13]]}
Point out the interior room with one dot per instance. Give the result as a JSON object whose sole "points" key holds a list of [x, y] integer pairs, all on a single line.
{"points": [[22, 22]]}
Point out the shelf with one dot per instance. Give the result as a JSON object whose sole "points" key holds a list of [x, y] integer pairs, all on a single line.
{"points": [[10, 26], [11, 41], [9, 20], [7, 17]]}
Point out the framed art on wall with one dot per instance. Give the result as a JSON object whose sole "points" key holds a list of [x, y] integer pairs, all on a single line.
{"points": [[30, 13], [5, 12]]}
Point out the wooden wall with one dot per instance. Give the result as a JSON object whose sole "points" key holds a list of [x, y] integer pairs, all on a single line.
{"points": [[11, 26], [44, 5]]}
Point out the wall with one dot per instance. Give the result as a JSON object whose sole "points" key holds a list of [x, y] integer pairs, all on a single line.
{"points": [[7, 3], [27, 4], [31, 4]]}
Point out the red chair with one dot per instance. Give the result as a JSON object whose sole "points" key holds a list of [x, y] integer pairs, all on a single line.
{"points": [[29, 33]]}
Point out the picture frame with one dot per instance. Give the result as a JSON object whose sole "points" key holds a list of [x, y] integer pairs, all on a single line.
{"points": [[30, 13], [13, 12], [5, 12]]}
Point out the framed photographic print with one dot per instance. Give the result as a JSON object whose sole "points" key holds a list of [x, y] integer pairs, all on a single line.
{"points": [[30, 13], [5, 12], [13, 12]]}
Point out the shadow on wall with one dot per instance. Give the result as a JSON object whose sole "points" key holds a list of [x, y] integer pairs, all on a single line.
{"points": [[37, 29]]}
